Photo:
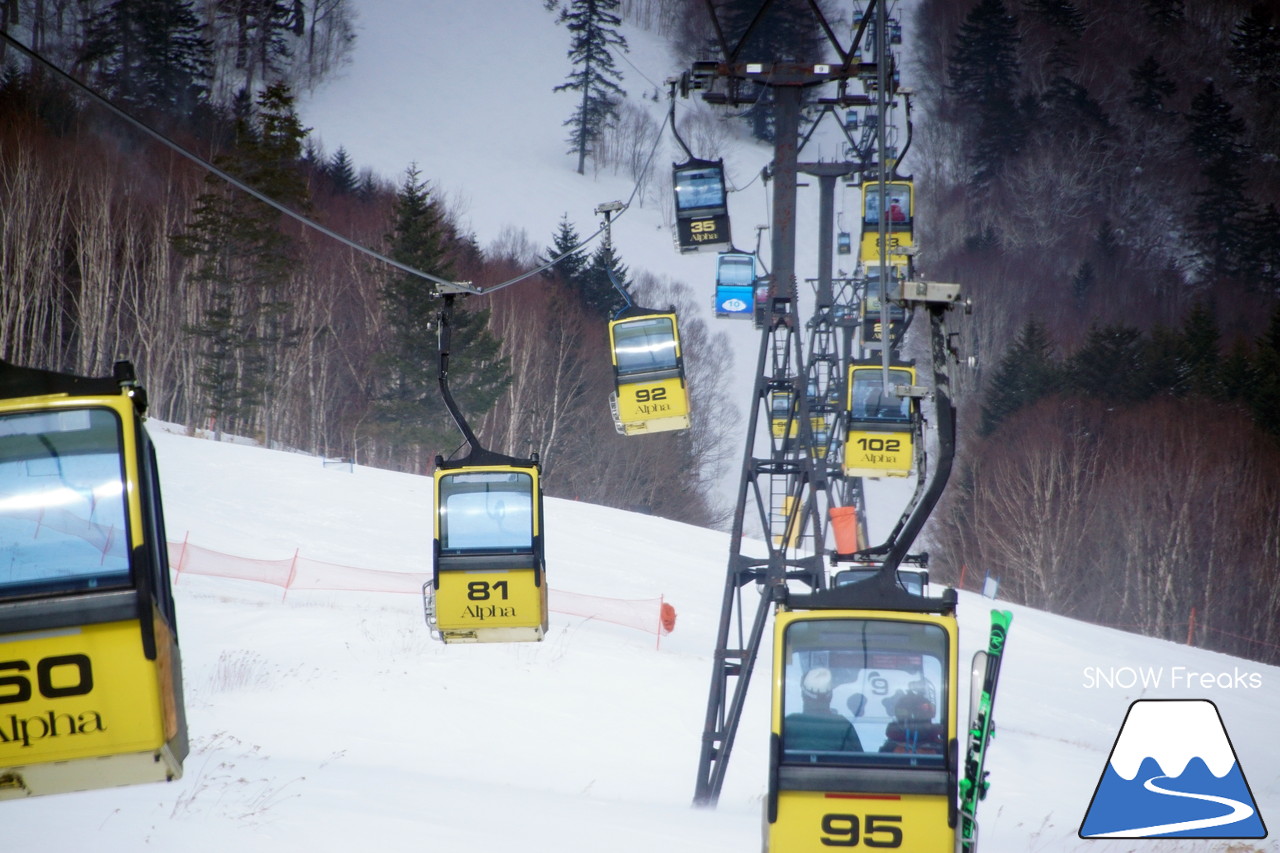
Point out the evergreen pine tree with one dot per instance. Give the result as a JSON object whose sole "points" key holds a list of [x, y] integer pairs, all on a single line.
{"points": [[1082, 282], [571, 267], [262, 30], [983, 72], [1167, 15], [1215, 138], [1061, 14], [1066, 107], [242, 263], [1200, 352], [1264, 394], [408, 412], [1255, 51], [1235, 377], [1165, 368], [592, 25], [1151, 84], [1261, 252], [596, 289], [1027, 372], [149, 55], [1112, 365], [342, 172], [1255, 62]]}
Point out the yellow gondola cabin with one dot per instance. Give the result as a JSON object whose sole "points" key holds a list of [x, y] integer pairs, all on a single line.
{"points": [[90, 674], [489, 578], [881, 426], [864, 746], [650, 394]]}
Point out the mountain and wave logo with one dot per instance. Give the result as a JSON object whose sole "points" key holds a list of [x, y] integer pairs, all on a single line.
{"points": [[1172, 774]]}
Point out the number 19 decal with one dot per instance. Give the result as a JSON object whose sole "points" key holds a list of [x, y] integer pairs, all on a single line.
{"points": [[846, 830]]}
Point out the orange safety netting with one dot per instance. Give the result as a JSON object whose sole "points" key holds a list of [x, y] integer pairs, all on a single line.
{"points": [[652, 615]]}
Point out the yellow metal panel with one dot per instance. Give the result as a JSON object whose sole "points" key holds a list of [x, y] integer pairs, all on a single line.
{"points": [[79, 693], [653, 406], [869, 249], [817, 821], [878, 454], [486, 600]]}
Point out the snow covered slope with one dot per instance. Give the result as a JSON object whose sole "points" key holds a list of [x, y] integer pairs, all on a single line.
{"points": [[332, 722]]}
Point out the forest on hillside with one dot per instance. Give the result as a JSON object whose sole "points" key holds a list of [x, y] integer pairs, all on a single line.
{"points": [[1103, 182], [241, 320], [1102, 179]]}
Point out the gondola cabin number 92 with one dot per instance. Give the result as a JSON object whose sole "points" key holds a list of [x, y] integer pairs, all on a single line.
{"points": [[648, 371]]}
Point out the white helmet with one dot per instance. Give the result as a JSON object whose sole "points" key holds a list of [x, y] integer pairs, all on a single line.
{"points": [[816, 683]]}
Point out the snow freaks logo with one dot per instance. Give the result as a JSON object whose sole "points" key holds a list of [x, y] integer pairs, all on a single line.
{"points": [[1172, 774]]}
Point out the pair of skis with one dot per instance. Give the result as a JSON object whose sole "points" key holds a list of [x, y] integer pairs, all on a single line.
{"points": [[982, 697]]}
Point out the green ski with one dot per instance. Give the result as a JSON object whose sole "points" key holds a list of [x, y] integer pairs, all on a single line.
{"points": [[982, 697]]}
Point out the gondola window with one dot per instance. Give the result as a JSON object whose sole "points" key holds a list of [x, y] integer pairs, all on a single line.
{"points": [[644, 346], [699, 188], [865, 692], [873, 402], [486, 512], [62, 502]]}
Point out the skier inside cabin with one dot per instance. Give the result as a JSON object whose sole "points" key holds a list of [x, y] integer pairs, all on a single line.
{"points": [[818, 727]]}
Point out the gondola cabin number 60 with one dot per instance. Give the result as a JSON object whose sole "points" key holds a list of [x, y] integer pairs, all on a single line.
{"points": [[90, 672]]}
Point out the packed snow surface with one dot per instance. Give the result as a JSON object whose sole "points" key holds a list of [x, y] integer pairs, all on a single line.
{"points": [[331, 721]]}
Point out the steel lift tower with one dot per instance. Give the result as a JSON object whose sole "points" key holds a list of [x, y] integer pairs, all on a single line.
{"points": [[781, 479]]}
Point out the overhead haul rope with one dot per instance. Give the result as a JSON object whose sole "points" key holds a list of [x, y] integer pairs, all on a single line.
{"points": [[446, 286]]}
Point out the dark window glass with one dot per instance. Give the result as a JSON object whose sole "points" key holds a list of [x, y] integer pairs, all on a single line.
{"points": [[645, 345]]}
